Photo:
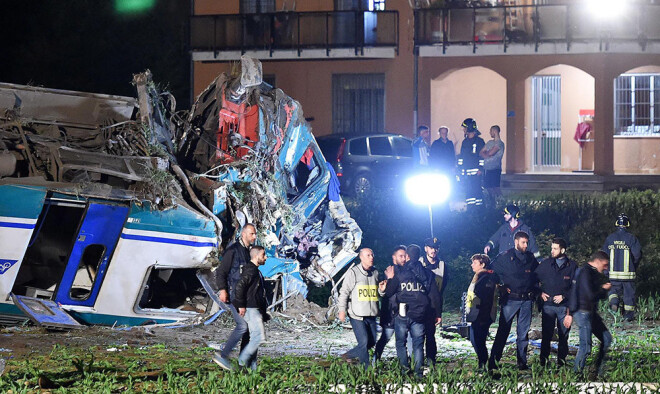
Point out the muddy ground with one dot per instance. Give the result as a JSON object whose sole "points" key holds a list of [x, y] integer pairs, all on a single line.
{"points": [[301, 330]]}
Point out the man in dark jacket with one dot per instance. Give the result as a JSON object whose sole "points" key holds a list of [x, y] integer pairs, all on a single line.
{"points": [[443, 155], [227, 275], [415, 293], [251, 302], [503, 237], [625, 251], [431, 262], [480, 306], [388, 306], [556, 275], [589, 288], [470, 164], [519, 286]]}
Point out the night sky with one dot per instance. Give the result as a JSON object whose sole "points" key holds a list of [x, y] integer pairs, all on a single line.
{"points": [[96, 46]]}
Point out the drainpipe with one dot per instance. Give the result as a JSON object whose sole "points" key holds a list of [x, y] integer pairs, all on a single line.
{"points": [[415, 82]]}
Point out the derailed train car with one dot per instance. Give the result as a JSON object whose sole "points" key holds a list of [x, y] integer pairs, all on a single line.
{"points": [[114, 210]]}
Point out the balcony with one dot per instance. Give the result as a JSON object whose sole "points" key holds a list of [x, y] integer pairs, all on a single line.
{"points": [[294, 35], [535, 29]]}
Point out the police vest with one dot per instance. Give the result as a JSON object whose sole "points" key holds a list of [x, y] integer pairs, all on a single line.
{"points": [[364, 296]]}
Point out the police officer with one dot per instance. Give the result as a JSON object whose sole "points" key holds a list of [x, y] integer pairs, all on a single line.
{"points": [[470, 164], [388, 307], [624, 251], [358, 298], [556, 274], [431, 261], [516, 268], [415, 294], [503, 237]]}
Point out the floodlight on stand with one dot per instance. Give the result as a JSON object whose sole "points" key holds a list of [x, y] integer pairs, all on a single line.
{"points": [[428, 189]]}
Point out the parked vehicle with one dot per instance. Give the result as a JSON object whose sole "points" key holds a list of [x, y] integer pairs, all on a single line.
{"points": [[365, 162]]}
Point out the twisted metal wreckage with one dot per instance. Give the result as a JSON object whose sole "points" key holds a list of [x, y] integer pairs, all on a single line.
{"points": [[114, 210]]}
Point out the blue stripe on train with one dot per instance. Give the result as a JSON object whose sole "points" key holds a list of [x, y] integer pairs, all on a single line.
{"points": [[17, 225], [166, 240]]}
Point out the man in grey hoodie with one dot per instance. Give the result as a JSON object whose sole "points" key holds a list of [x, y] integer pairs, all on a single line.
{"points": [[359, 298]]}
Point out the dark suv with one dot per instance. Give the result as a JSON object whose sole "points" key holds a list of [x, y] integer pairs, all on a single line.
{"points": [[364, 162]]}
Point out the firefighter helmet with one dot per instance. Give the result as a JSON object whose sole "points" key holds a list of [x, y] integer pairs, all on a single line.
{"points": [[513, 210], [622, 220], [470, 126]]}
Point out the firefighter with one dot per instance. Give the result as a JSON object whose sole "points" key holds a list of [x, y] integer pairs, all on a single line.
{"points": [[470, 164], [624, 251]]}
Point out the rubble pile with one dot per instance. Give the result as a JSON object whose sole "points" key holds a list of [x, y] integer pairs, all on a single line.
{"points": [[242, 154]]}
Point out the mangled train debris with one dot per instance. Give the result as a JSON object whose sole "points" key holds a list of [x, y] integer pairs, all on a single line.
{"points": [[114, 210]]}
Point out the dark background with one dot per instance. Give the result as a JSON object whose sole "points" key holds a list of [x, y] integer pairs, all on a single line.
{"points": [[96, 45]]}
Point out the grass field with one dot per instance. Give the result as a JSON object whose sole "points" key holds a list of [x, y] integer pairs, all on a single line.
{"points": [[635, 357]]}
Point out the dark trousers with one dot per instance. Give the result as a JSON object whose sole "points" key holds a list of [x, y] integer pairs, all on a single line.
{"points": [[473, 193], [478, 336], [553, 316], [627, 289], [508, 311], [365, 332], [385, 337], [431, 346], [402, 327], [591, 323]]}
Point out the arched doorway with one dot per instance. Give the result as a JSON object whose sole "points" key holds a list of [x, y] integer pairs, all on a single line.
{"points": [[557, 99], [473, 92]]}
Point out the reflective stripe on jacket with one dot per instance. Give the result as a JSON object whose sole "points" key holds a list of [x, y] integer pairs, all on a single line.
{"points": [[624, 251]]}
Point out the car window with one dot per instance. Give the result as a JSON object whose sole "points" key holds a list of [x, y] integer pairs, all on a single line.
{"points": [[329, 147], [358, 147], [380, 146], [402, 146]]}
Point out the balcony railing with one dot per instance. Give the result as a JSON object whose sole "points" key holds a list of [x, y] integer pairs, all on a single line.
{"points": [[535, 25], [295, 31]]}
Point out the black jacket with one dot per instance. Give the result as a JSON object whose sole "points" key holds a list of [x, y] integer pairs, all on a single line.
{"points": [[481, 308], [443, 156], [388, 306], [556, 281], [468, 158], [439, 280], [236, 256], [587, 290], [503, 237], [250, 290], [625, 251], [517, 274], [414, 286]]}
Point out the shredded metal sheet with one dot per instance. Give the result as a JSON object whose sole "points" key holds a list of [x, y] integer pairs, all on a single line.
{"points": [[242, 153]]}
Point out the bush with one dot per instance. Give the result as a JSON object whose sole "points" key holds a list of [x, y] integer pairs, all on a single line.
{"points": [[584, 220]]}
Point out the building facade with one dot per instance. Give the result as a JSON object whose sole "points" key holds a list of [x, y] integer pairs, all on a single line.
{"points": [[538, 69]]}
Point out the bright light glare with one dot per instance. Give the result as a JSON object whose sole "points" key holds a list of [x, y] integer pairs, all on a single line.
{"points": [[607, 9], [427, 189]]}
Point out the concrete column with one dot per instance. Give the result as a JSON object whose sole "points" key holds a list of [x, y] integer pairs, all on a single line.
{"points": [[604, 123], [515, 125]]}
